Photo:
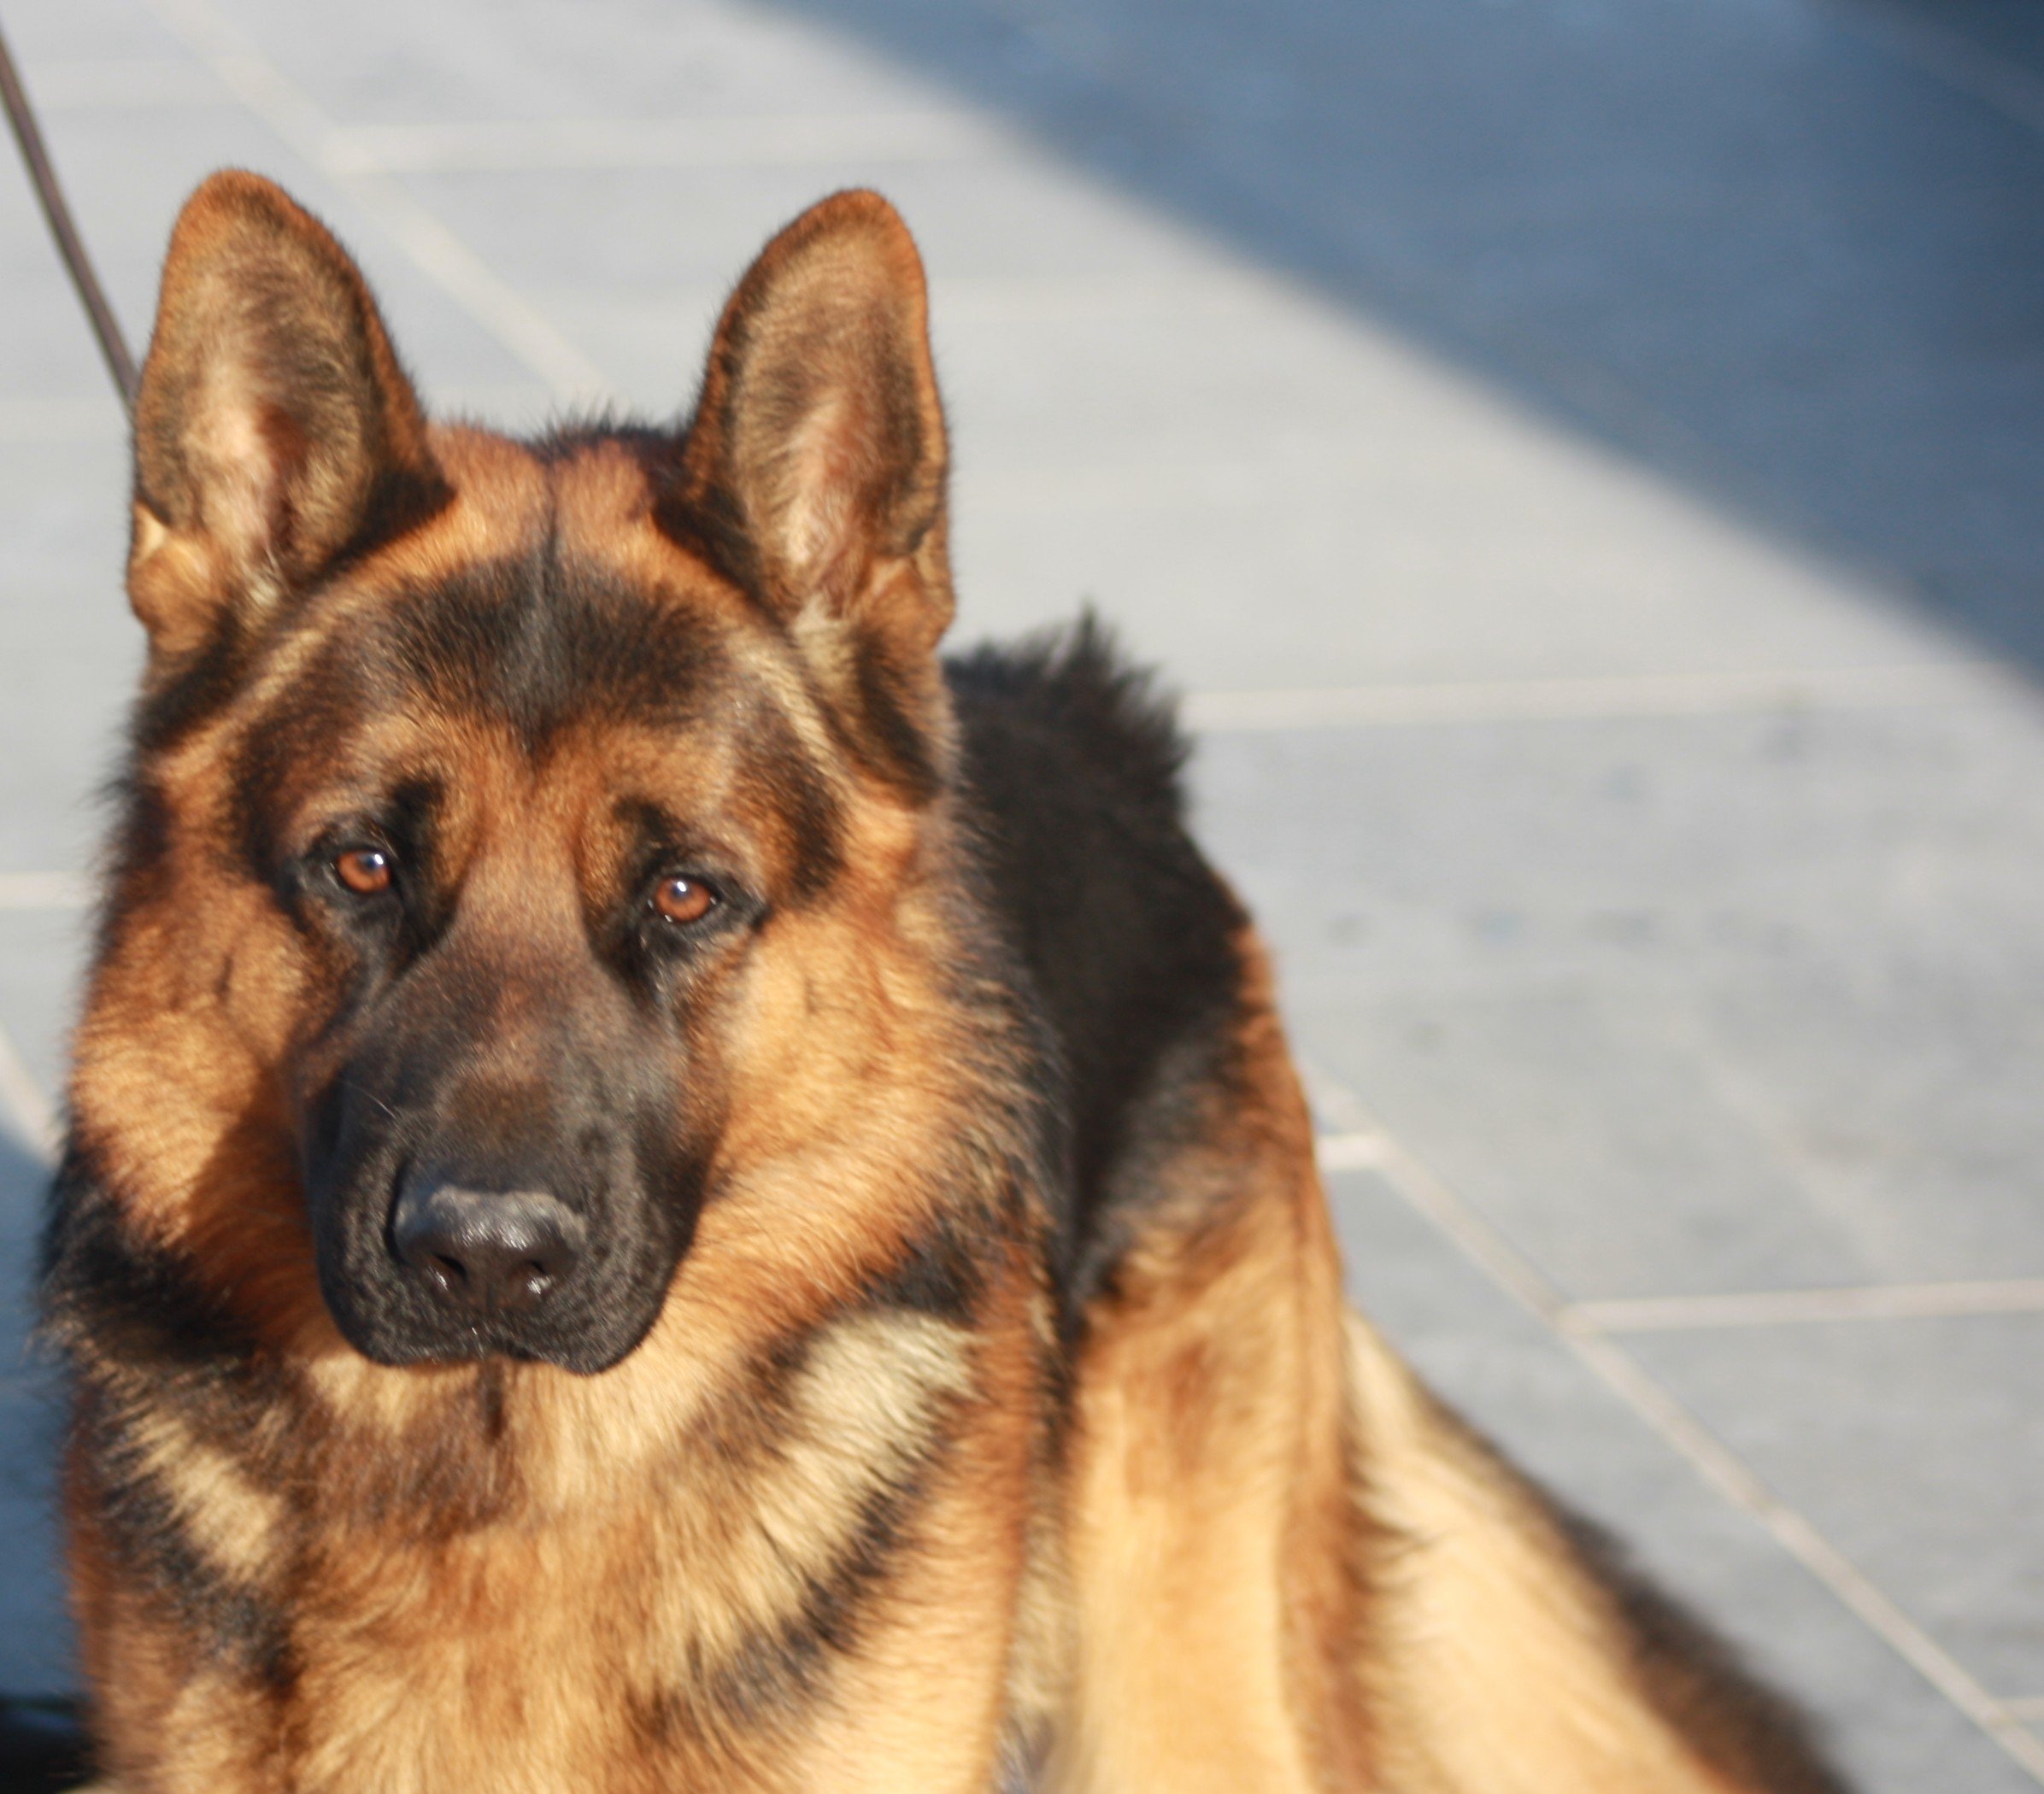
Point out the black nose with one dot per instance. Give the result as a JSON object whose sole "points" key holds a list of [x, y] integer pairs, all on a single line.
{"points": [[486, 1251]]}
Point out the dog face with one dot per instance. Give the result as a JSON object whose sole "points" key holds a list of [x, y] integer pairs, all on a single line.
{"points": [[527, 837], [508, 821]]}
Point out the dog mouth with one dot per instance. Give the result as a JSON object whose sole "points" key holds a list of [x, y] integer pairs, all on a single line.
{"points": [[448, 1229], [430, 1264]]}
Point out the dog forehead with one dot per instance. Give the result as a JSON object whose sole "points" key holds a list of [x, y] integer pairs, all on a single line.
{"points": [[541, 596], [540, 648], [587, 494]]}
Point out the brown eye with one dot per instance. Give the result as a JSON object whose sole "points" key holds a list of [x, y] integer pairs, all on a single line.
{"points": [[364, 871], [684, 900]]}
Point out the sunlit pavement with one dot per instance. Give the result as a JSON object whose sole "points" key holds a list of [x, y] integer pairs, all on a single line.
{"points": [[1583, 461]]}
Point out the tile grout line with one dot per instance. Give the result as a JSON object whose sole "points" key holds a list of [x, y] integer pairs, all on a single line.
{"points": [[1719, 1466], [1373, 1151], [752, 139], [27, 891], [1786, 1307], [268, 92], [737, 140], [22, 1098], [1617, 696]]}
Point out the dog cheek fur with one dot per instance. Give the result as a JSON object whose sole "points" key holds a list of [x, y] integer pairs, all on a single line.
{"points": [[178, 1089]]}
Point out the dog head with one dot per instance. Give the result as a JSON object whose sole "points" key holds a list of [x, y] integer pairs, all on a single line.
{"points": [[526, 843]]}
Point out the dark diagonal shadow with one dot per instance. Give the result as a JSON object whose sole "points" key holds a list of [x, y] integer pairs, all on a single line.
{"points": [[39, 1744], [1791, 253], [24, 1185]]}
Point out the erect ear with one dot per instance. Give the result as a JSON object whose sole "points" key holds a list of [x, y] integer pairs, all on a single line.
{"points": [[273, 427], [814, 467]]}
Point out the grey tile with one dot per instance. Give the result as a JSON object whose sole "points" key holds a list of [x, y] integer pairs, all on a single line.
{"points": [[50, 353], [651, 343], [1577, 1129], [1763, 246], [128, 171], [1894, 1733], [35, 1632], [1707, 1005], [29, 1418], [472, 60], [84, 30], [639, 228], [1916, 1445], [65, 508], [1651, 853], [1628, 1157], [1266, 495], [42, 956], [69, 648], [1285, 593]]}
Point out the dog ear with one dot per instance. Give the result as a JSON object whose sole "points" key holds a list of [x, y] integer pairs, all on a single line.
{"points": [[815, 469], [274, 429]]}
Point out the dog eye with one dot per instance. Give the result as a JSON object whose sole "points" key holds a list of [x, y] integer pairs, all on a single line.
{"points": [[681, 899], [364, 871]]}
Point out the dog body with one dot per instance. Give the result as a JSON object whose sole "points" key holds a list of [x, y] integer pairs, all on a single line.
{"points": [[666, 1193]]}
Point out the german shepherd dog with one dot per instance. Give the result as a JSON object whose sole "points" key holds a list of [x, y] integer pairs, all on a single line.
{"points": [[666, 1191]]}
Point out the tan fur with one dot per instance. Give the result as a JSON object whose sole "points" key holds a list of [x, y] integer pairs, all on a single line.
{"points": [[1493, 1662], [1213, 1550], [507, 1616]]}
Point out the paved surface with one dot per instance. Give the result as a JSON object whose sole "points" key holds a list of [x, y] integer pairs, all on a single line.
{"points": [[1585, 458]]}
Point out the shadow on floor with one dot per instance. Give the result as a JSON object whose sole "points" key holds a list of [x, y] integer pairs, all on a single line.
{"points": [[42, 1750], [1791, 254], [24, 1184]]}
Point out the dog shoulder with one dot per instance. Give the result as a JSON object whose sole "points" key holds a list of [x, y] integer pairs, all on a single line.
{"points": [[1134, 946]]}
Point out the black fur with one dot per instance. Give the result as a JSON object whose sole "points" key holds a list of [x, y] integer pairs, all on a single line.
{"points": [[1073, 766], [1129, 942], [942, 1273], [106, 1291], [539, 642], [148, 1538]]}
